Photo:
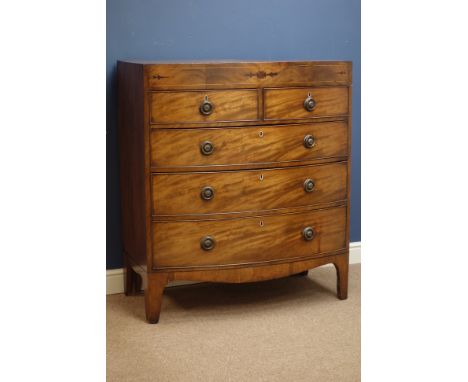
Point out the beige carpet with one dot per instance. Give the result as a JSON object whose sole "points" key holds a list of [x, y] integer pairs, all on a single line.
{"points": [[292, 329]]}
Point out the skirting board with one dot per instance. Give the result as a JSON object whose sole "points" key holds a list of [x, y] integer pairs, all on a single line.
{"points": [[115, 277]]}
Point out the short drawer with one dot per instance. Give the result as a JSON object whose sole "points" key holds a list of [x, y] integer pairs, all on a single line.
{"points": [[248, 240], [304, 103], [248, 145], [250, 190], [203, 106]]}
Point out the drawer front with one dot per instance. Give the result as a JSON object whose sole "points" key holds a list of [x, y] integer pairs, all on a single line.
{"points": [[252, 190], [290, 103], [259, 74], [203, 106], [248, 240], [250, 145]]}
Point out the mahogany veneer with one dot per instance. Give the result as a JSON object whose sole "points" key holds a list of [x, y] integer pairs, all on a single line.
{"points": [[233, 172]]}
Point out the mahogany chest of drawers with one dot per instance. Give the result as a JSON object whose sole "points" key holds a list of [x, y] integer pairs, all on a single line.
{"points": [[233, 172]]}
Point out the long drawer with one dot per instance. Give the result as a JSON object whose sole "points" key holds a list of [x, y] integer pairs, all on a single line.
{"points": [[248, 145], [248, 240], [250, 190], [254, 74]]}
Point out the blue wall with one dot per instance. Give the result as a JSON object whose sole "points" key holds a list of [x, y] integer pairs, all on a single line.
{"points": [[236, 29]]}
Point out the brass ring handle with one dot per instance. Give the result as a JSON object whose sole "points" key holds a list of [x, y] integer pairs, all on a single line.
{"points": [[309, 141], [207, 243], [309, 185], [206, 107], [308, 233], [207, 148], [309, 103], [207, 193]]}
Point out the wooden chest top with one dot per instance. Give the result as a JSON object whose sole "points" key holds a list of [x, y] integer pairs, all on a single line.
{"points": [[239, 74]]}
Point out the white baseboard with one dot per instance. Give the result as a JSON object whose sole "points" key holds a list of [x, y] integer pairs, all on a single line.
{"points": [[115, 277], [115, 281], [355, 252]]}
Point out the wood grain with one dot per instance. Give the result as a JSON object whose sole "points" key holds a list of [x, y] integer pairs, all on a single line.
{"points": [[257, 170], [248, 240], [260, 272], [235, 215], [156, 282], [259, 122], [252, 74], [342, 270], [348, 196], [254, 190], [133, 162], [247, 145], [289, 103], [183, 107]]}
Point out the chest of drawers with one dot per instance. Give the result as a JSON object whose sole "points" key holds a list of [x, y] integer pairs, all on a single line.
{"points": [[233, 172]]}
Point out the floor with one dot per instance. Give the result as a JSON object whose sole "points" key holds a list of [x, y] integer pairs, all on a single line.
{"points": [[291, 329]]}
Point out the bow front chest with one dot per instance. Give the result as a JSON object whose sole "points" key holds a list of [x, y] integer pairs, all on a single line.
{"points": [[233, 172]]}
